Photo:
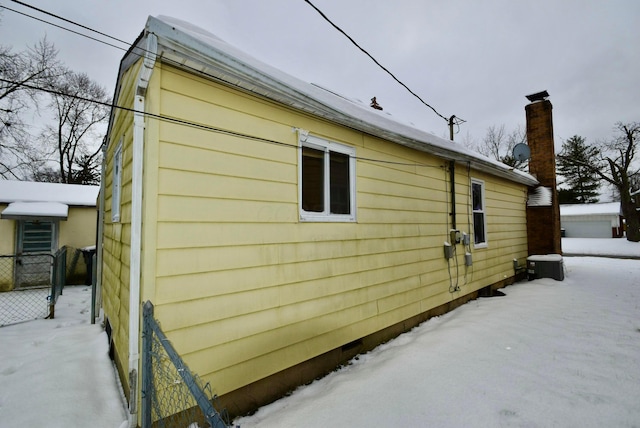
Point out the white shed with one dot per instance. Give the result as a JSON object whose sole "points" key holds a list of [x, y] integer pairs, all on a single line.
{"points": [[592, 220]]}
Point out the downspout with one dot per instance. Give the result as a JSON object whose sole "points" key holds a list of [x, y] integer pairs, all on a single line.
{"points": [[452, 177], [136, 223]]}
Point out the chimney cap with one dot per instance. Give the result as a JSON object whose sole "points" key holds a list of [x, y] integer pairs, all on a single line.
{"points": [[538, 96]]}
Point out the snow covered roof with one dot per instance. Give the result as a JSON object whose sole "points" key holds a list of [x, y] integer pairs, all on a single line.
{"points": [[29, 191], [608, 208], [35, 210], [184, 45]]}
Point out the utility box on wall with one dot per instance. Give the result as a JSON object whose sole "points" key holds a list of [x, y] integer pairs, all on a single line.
{"points": [[545, 266]]}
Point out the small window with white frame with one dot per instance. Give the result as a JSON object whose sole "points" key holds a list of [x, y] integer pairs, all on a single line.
{"points": [[326, 180], [479, 213], [116, 184]]}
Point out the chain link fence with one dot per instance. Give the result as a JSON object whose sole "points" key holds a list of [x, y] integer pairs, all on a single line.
{"points": [[172, 396], [24, 305], [30, 285]]}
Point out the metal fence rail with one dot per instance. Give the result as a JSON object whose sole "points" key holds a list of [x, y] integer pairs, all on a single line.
{"points": [[172, 396]]}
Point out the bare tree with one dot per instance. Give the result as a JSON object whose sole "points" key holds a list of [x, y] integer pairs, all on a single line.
{"points": [[498, 144], [20, 75], [79, 107], [619, 167], [623, 172]]}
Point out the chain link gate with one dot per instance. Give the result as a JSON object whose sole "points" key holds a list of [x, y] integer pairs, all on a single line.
{"points": [[172, 396], [30, 284]]}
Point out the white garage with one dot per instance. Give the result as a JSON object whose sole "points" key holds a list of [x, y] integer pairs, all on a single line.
{"points": [[592, 220]]}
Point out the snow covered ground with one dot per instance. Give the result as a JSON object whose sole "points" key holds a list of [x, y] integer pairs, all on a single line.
{"points": [[57, 373], [547, 354], [602, 247]]}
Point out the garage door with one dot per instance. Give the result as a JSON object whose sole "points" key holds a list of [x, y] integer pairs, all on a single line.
{"points": [[587, 229]]}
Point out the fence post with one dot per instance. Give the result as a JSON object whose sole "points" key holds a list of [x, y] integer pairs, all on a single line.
{"points": [[93, 289], [147, 343]]}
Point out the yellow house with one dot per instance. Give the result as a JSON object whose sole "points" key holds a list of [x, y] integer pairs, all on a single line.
{"points": [[279, 228], [39, 218]]}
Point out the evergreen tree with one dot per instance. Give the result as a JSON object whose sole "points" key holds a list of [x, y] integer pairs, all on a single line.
{"points": [[577, 163]]}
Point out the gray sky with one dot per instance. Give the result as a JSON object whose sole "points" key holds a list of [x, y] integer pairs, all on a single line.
{"points": [[473, 59]]}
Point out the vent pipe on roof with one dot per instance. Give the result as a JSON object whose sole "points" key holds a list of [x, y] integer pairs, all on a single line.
{"points": [[374, 104]]}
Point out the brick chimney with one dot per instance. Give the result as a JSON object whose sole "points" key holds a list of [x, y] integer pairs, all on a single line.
{"points": [[543, 215]]}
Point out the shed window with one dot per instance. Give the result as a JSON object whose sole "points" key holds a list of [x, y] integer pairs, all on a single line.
{"points": [[327, 180], [479, 215], [116, 185]]}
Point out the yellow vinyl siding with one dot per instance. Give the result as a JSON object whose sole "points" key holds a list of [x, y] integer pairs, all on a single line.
{"points": [[241, 286], [506, 230], [7, 234], [79, 230], [7, 247], [117, 235]]}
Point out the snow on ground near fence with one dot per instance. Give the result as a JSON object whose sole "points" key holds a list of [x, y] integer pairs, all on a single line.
{"points": [[547, 354], [57, 373]]}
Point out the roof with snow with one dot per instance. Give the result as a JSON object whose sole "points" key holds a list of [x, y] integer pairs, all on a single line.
{"points": [[608, 208], [30, 191], [186, 46], [35, 210]]}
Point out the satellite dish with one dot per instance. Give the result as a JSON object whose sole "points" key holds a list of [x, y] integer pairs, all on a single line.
{"points": [[521, 152]]}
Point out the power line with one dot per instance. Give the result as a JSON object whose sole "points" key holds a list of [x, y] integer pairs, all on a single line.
{"points": [[204, 127], [160, 117], [69, 21], [64, 28], [457, 122], [127, 44], [374, 60], [140, 51]]}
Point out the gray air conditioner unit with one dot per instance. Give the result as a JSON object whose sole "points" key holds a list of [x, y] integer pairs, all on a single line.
{"points": [[546, 266]]}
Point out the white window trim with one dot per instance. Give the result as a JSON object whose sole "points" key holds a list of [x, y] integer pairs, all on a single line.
{"points": [[116, 185], [317, 143], [483, 211]]}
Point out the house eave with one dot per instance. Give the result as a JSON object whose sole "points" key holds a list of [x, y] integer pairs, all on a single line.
{"points": [[215, 60]]}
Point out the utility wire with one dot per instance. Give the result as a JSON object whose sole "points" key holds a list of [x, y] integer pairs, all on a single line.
{"points": [[458, 120], [160, 117], [374, 60], [69, 21], [209, 128], [64, 28]]}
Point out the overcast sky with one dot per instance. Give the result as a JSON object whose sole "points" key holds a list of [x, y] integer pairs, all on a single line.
{"points": [[473, 59]]}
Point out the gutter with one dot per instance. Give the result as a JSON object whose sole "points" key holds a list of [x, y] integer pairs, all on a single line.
{"points": [[136, 224], [195, 50]]}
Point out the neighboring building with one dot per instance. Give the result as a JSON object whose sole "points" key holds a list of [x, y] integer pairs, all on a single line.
{"points": [[592, 220], [40, 218], [279, 228]]}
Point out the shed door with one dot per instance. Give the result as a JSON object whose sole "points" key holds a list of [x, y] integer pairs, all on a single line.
{"points": [[36, 240]]}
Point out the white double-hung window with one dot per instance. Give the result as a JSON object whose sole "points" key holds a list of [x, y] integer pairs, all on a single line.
{"points": [[479, 214], [326, 180], [116, 183]]}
